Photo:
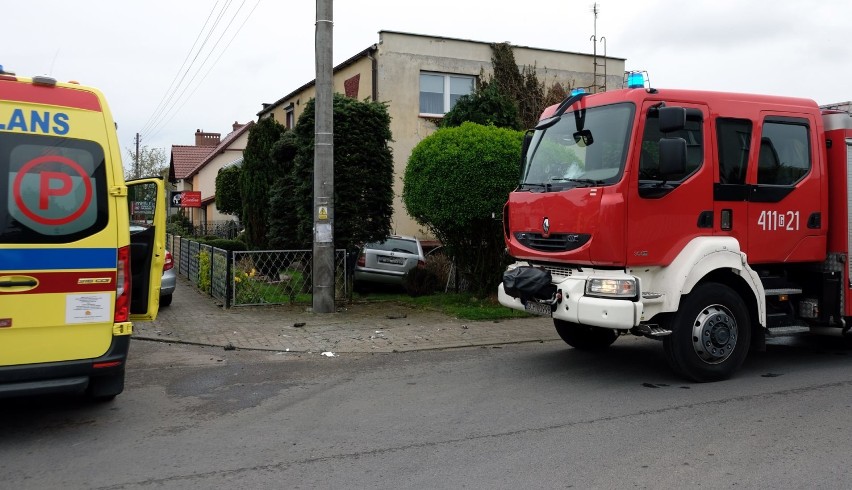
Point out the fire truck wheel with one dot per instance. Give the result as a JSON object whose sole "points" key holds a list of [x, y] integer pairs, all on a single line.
{"points": [[710, 334], [584, 337]]}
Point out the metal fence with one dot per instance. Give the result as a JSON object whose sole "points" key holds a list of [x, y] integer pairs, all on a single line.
{"points": [[266, 277], [281, 277], [222, 229], [220, 275], [193, 251]]}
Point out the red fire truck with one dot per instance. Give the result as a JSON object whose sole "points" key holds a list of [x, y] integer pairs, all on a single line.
{"points": [[704, 219]]}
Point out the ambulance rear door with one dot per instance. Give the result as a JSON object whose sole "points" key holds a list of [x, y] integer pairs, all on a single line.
{"points": [[146, 209]]}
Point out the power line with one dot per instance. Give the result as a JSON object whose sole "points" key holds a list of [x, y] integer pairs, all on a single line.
{"points": [[177, 98], [210, 69], [168, 92], [173, 110], [190, 67]]}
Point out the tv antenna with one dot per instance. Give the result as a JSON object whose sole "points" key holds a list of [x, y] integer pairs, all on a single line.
{"points": [[599, 82]]}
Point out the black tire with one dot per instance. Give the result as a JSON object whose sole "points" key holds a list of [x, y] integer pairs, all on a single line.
{"points": [[105, 388], [166, 300], [585, 337], [711, 333]]}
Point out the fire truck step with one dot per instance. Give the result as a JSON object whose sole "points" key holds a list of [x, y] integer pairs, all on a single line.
{"points": [[780, 291], [651, 330], [788, 330]]}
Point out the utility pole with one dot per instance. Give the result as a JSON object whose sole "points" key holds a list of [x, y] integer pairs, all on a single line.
{"points": [[136, 161], [323, 263]]}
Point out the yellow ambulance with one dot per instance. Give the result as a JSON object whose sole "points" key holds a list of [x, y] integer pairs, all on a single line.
{"points": [[72, 276]]}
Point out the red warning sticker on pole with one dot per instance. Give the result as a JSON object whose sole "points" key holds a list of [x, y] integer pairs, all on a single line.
{"points": [[52, 190]]}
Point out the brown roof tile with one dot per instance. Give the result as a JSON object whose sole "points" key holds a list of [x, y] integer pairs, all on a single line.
{"points": [[221, 147], [185, 158]]}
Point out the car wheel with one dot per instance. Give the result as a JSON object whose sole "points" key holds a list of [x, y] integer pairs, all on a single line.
{"points": [[585, 337], [166, 300], [710, 334]]}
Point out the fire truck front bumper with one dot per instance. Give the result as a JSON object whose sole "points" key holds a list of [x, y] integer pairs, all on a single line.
{"points": [[605, 299]]}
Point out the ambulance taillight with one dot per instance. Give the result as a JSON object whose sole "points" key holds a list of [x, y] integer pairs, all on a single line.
{"points": [[122, 292]]}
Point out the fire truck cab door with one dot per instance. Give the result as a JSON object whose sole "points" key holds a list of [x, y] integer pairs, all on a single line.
{"points": [[784, 215], [733, 138], [665, 212]]}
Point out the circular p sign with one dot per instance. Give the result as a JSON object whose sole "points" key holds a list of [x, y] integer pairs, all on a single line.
{"points": [[49, 194]]}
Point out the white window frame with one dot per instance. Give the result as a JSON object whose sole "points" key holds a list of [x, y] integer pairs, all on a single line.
{"points": [[290, 116], [447, 77]]}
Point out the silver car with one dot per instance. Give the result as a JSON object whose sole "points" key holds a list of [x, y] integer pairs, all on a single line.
{"points": [[167, 288], [387, 262]]}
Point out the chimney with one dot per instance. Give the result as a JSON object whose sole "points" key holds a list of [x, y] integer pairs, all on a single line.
{"points": [[237, 125], [207, 139]]}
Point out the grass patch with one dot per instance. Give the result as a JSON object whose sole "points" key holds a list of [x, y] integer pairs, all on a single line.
{"points": [[464, 306]]}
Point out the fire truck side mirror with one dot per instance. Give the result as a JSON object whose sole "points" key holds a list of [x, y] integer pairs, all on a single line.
{"points": [[672, 119], [672, 156]]}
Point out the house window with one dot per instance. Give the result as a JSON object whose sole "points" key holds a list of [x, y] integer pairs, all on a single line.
{"points": [[440, 92], [289, 119]]}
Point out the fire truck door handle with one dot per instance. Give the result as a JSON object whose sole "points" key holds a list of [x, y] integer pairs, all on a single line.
{"points": [[705, 219], [815, 221], [727, 220]]}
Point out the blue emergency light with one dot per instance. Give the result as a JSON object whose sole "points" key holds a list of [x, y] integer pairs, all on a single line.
{"points": [[575, 91], [635, 79]]}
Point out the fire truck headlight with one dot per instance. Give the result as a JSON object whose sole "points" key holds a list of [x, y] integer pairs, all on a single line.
{"points": [[611, 288]]}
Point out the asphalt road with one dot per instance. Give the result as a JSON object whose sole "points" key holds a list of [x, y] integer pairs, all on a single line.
{"points": [[520, 416]]}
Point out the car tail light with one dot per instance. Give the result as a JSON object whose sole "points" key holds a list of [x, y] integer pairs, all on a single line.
{"points": [[169, 263], [421, 263], [122, 285], [362, 260]]}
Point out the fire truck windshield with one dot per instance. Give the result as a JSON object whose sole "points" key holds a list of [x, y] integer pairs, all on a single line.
{"points": [[585, 147]]}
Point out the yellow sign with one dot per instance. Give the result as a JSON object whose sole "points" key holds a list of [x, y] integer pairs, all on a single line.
{"points": [[323, 213]]}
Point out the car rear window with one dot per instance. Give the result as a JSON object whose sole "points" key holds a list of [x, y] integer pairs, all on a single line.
{"points": [[56, 189], [395, 244]]}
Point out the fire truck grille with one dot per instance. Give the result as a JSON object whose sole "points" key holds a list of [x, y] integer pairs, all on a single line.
{"points": [[556, 242], [560, 271]]}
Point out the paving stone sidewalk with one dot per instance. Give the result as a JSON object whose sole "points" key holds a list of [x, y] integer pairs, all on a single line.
{"points": [[195, 318]]}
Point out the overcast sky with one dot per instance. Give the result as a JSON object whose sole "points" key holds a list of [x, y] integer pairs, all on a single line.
{"points": [[145, 56]]}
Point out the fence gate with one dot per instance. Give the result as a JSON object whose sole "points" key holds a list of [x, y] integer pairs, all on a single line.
{"points": [[220, 276]]}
